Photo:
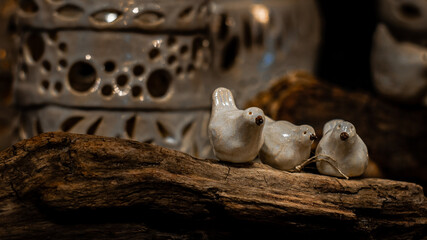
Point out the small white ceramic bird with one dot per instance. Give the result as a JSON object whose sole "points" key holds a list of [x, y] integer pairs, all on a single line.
{"points": [[286, 145], [341, 143], [235, 135]]}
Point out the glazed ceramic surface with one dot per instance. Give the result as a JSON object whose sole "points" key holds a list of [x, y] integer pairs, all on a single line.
{"points": [[235, 135], [404, 14], [145, 69], [399, 52], [399, 68], [286, 145], [341, 143]]}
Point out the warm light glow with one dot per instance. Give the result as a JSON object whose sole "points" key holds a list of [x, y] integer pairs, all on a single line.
{"points": [[3, 54], [110, 17], [88, 57], [157, 43], [135, 10], [260, 13]]}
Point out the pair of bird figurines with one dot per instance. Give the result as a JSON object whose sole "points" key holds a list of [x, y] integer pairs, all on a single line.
{"points": [[239, 136]]}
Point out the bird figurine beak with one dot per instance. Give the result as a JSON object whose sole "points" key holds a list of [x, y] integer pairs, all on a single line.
{"points": [[344, 136], [259, 121], [313, 137]]}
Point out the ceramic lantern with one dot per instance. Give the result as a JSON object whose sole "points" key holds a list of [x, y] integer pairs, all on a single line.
{"points": [[145, 70]]}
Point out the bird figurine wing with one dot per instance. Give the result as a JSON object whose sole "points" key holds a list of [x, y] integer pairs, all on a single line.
{"points": [[222, 100]]}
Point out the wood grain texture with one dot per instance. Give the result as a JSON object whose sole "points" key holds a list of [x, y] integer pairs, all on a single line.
{"points": [[67, 186], [396, 135]]}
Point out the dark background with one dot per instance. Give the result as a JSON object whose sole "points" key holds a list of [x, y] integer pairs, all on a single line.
{"points": [[344, 56]]}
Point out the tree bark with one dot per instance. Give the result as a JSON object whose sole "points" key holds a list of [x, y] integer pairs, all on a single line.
{"points": [[70, 186], [395, 134]]}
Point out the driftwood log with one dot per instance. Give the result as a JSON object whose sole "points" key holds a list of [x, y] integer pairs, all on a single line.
{"points": [[395, 134], [70, 186]]}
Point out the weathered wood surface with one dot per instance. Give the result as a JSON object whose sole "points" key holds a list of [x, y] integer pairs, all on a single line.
{"points": [[396, 135], [70, 186]]}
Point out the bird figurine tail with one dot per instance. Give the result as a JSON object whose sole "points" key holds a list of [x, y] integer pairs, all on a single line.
{"points": [[222, 99]]}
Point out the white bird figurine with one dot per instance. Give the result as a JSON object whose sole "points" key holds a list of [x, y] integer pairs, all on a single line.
{"points": [[235, 135], [341, 143], [398, 68], [286, 145]]}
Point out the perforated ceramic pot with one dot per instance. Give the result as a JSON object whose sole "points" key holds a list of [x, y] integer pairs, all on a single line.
{"points": [[145, 70]]}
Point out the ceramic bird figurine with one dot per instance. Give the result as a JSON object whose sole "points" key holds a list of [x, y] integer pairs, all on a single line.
{"points": [[286, 145], [399, 68], [235, 135], [341, 143]]}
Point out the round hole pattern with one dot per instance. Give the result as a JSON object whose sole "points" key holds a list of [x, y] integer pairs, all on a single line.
{"points": [[171, 59], [53, 35], [46, 65], [82, 76], [155, 52], [63, 63], [410, 11], [58, 87], [109, 66], [178, 70], [62, 46], [136, 91], [171, 41], [138, 70], [183, 49], [158, 83], [122, 80], [191, 68], [107, 90], [45, 84]]}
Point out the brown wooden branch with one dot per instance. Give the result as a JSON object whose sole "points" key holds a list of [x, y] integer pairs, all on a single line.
{"points": [[69, 186]]}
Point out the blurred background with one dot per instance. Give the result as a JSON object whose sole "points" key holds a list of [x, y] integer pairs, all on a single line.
{"points": [[368, 58]]}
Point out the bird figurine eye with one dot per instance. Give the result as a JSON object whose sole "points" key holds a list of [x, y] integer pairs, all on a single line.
{"points": [[339, 126], [305, 132], [250, 113]]}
